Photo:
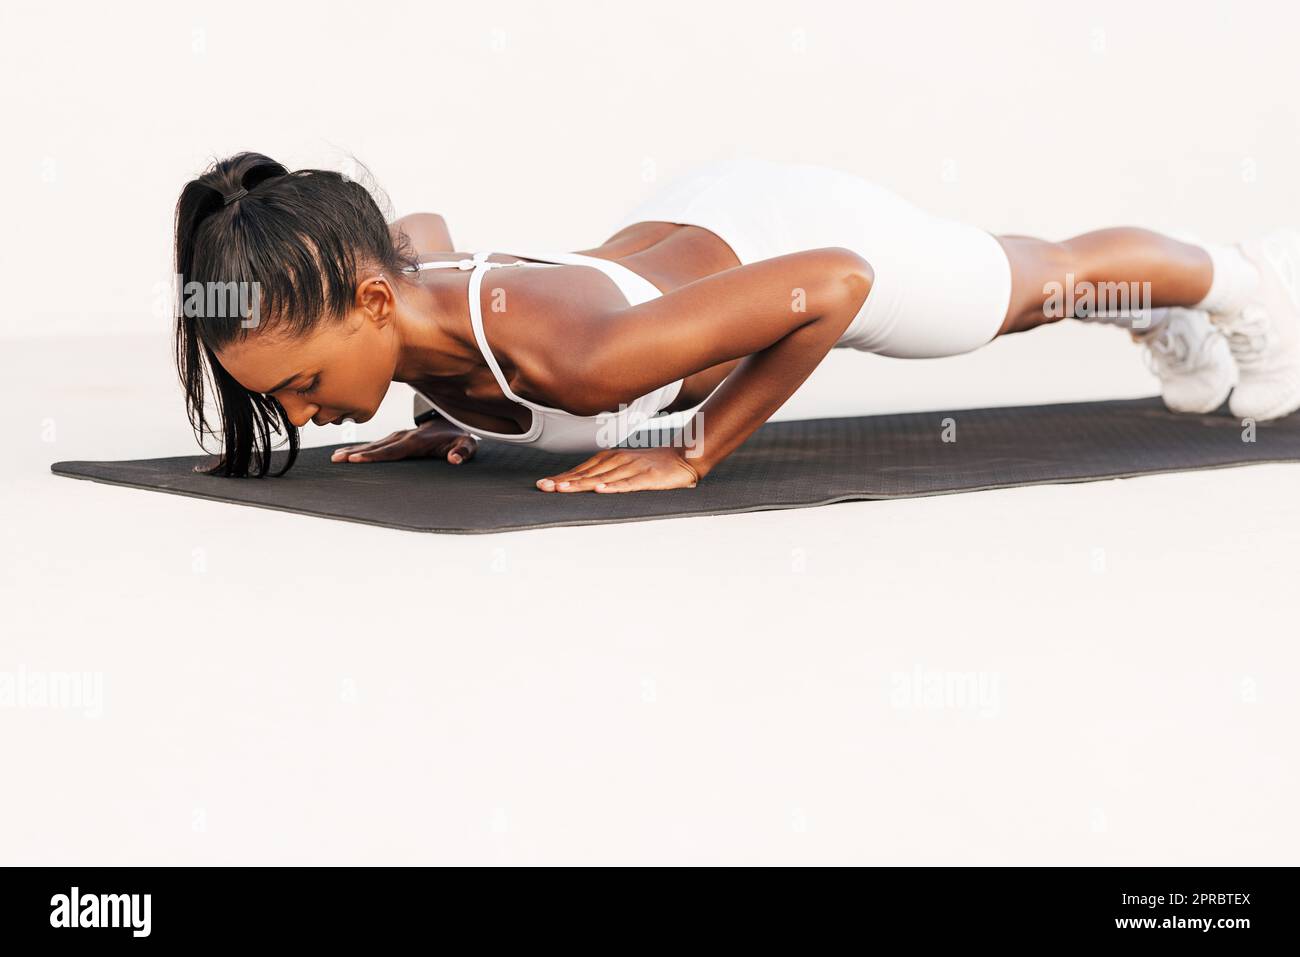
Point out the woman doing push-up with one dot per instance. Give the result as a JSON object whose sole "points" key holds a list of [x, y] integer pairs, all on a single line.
{"points": [[718, 296]]}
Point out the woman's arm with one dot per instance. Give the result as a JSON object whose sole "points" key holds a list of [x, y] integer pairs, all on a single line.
{"points": [[781, 316]]}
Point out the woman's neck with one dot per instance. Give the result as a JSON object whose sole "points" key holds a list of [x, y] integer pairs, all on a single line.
{"points": [[430, 314]]}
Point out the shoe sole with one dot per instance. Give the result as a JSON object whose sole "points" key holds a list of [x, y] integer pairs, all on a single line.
{"points": [[1278, 412], [1209, 407]]}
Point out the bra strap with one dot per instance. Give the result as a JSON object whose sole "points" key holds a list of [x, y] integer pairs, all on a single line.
{"points": [[460, 263], [480, 265]]}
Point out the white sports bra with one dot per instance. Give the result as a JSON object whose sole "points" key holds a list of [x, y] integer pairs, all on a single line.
{"points": [[556, 430]]}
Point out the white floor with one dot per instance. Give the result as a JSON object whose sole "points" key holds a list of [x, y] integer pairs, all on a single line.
{"points": [[1096, 674]]}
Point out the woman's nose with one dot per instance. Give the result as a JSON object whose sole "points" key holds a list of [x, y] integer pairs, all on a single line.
{"points": [[300, 413]]}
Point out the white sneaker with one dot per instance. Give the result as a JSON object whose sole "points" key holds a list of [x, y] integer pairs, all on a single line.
{"points": [[1265, 334], [1191, 359]]}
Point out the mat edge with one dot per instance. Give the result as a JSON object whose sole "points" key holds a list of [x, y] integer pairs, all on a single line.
{"points": [[780, 506]]}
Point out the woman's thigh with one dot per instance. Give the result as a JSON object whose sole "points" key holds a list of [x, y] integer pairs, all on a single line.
{"points": [[941, 288]]}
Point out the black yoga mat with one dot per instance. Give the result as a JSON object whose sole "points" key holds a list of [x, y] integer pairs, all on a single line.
{"points": [[789, 464]]}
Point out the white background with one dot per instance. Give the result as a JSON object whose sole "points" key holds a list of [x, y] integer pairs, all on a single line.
{"points": [[284, 689]]}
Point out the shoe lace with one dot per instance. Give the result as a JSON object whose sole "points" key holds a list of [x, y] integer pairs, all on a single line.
{"points": [[1170, 352], [1249, 334]]}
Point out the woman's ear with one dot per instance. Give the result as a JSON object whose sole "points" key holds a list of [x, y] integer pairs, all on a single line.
{"points": [[375, 299]]}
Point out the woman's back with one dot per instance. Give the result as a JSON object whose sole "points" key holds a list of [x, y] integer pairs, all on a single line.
{"points": [[666, 255]]}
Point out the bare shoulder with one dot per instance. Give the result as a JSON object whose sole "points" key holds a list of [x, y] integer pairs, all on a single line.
{"points": [[540, 321], [427, 232]]}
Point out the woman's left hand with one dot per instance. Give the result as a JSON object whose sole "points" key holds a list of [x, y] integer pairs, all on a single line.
{"points": [[626, 470]]}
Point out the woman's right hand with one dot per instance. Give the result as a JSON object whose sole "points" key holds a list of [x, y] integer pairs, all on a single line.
{"points": [[434, 439]]}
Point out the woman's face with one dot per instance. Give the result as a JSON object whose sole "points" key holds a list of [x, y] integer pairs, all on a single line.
{"points": [[342, 369]]}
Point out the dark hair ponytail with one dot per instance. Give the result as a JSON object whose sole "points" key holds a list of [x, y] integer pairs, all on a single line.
{"points": [[301, 238]]}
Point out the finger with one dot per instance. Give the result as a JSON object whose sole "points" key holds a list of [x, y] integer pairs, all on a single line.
{"points": [[397, 441], [350, 455], [550, 483], [590, 482], [461, 451], [344, 450], [598, 463], [642, 481], [384, 453], [347, 450], [591, 474], [578, 469]]}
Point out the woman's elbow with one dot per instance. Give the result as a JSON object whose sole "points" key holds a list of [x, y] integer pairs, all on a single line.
{"points": [[855, 274]]}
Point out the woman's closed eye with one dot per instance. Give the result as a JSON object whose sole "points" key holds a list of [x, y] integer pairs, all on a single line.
{"points": [[309, 387]]}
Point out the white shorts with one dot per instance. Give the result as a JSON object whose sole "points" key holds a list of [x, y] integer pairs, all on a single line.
{"points": [[941, 287]]}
